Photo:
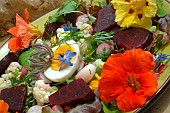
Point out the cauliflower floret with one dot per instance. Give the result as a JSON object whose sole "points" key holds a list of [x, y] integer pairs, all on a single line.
{"points": [[7, 76], [86, 29], [61, 33], [4, 84], [41, 92], [14, 68], [79, 24]]}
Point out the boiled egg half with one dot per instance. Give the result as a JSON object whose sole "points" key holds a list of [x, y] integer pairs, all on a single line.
{"points": [[54, 73]]}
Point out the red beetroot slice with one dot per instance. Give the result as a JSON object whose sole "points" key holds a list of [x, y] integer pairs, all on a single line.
{"points": [[133, 38], [15, 97], [10, 57], [50, 29], [76, 92], [105, 19]]}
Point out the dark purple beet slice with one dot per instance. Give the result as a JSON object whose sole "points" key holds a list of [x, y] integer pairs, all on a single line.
{"points": [[133, 38], [105, 19], [15, 97], [50, 29], [76, 92], [10, 57]]}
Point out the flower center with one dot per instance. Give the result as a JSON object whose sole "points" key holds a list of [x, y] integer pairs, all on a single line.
{"points": [[133, 83], [60, 51], [136, 5]]}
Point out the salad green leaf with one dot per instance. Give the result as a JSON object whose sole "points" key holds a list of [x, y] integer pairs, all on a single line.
{"points": [[109, 109], [161, 11], [24, 57], [67, 7]]}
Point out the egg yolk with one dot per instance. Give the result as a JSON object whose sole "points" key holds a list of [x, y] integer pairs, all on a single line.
{"points": [[56, 64]]}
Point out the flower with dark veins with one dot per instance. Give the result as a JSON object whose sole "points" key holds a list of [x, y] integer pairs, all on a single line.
{"points": [[128, 78], [65, 58]]}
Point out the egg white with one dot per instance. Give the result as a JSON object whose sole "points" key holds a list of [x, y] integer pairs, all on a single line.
{"points": [[63, 74]]}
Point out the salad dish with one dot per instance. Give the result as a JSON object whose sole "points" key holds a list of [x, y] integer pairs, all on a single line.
{"points": [[88, 56]]}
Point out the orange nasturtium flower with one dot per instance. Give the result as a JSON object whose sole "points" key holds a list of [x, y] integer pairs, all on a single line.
{"points": [[3, 107], [22, 33], [136, 13], [128, 79]]}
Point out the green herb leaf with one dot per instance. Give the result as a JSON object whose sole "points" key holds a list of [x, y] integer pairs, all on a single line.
{"points": [[23, 58], [30, 101], [101, 3], [161, 11], [88, 48], [67, 7], [70, 79], [109, 109], [102, 37]]}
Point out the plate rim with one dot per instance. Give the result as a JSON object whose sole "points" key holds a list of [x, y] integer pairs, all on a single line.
{"points": [[147, 105]]}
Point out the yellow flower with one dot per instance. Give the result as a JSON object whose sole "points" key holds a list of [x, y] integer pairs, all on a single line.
{"points": [[95, 82], [36, 33], [135, 13]]}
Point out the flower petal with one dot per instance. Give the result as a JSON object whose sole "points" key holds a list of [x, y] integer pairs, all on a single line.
{"points": [[119, 4], [138, 61], [60, 58], [148, 84], [144, 22], [67, 61], [26, 15], [14, 44], [23, 31], [150, 10], [26, 40], [111, 83], [128, 20], [68, 52], [62, 64], [13, 31], [21, 24], [115, 84], [125, 18], [72, 54], [120, 15], [129, 100]]}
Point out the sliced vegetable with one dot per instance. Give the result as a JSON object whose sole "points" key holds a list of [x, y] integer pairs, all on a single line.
{"points": [[17, 98], [50, 29], [35, 109], [133, 38], [44, 78], [94, 107], [48, 109], [10, 57], [86, 73], [72, 94], [103, 48]]}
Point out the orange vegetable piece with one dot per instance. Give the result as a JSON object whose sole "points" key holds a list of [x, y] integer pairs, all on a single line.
{"points": [[3, 107]]}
